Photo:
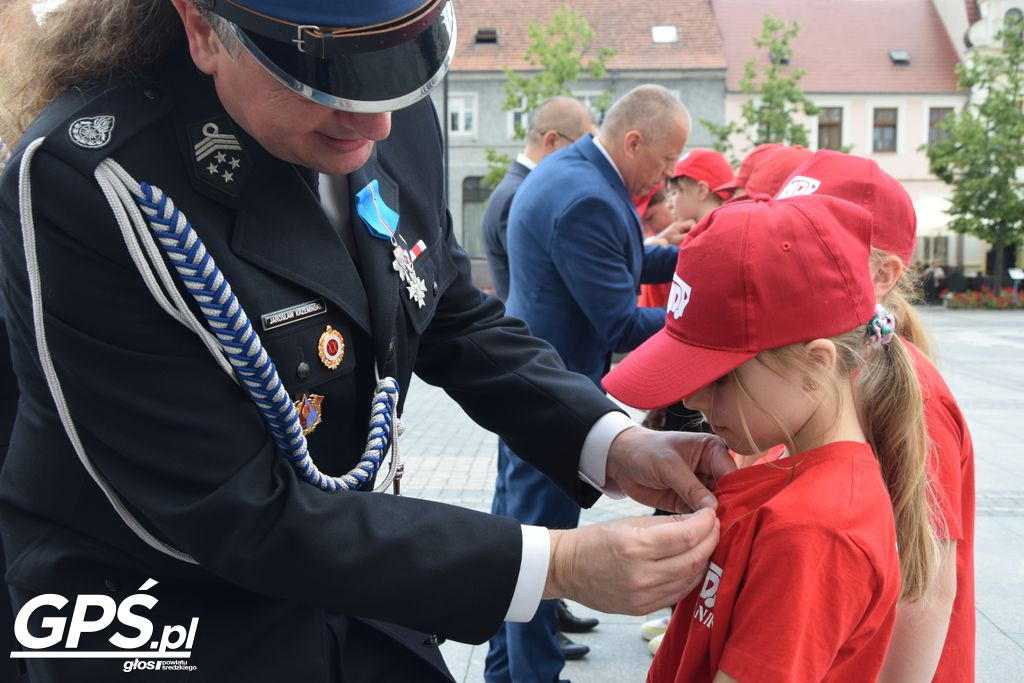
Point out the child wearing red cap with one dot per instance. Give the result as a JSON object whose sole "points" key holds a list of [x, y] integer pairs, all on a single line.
{"points": [[773, 333], [693, 187], [934, 638], [655, 216]]}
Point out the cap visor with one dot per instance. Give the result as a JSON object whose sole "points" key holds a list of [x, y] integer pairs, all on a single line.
{"points": [[374, 81], [730, 186], [663, 370]]}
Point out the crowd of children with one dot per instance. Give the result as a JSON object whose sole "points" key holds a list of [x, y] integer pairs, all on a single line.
{"points": [[847, 542]]}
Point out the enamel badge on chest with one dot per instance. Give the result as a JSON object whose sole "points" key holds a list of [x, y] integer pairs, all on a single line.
{"points": [[331, 348], [382, 222]]}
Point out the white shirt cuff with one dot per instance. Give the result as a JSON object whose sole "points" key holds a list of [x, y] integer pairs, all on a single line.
{"points": [[533, 574], [594, 458]]}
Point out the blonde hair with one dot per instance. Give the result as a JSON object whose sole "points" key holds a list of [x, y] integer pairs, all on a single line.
{"points": [[78, 44], [900, 301], [891, 412]]}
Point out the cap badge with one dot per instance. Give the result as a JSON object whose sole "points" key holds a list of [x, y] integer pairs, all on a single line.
{"points": [[92, 132], [331, 348], [799, 185], [218, 157], [678, 297], [308, 408]]}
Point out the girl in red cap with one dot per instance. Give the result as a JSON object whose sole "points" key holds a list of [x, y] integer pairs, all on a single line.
{"points": [[934, 637], [773, 333]]}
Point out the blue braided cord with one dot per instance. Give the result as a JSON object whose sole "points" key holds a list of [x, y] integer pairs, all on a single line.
{"points": [[252, 365]]}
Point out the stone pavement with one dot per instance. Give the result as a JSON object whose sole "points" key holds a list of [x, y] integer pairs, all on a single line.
{"points": [[981, 354]]}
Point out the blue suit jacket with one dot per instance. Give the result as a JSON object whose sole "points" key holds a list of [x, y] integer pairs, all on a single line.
{"points": [[576, 260], [495, 226]]}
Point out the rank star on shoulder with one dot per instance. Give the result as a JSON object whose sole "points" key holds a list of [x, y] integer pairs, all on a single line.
{"points": [[235, 163], [228, 176], [220, 157], [212, 169]]}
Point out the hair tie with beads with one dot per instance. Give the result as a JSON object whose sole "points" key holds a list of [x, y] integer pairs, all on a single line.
{"points": [[882, 327]]}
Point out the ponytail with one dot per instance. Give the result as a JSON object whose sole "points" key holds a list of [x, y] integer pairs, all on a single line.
{"points": [[891, 410], [900, 301]]}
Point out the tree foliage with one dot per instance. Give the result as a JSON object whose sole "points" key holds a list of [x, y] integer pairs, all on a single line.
{"points": [[982, 149], [563, 51], [776, 95]]}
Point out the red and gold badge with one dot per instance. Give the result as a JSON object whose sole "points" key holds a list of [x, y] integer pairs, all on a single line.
{"points": [[308, 407], [331, 348]]}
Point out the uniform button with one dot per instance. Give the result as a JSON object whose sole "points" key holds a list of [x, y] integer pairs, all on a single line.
{"points": [[303, 371], [433, 641], [152, 92], [435, 286], [112, 586], [391, 352]]}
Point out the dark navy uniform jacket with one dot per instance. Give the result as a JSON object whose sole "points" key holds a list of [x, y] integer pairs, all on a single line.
{"points": [[286, 573]]}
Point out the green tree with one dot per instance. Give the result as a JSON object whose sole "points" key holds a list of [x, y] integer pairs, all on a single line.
{"points": [[776, 95], [563, 51], [982, 148]]}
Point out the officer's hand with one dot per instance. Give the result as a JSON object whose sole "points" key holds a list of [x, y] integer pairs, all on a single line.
{"points": [[676, 233], [631, 566], [666, 469]]}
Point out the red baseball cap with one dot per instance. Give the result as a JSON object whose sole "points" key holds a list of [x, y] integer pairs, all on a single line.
{"points": [[762, 275], [706, 165], [774, 169], [642, 201], [863, 182], [750, 162]]}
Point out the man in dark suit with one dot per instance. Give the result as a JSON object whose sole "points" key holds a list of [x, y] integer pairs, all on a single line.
{"points": [[197, 347], [557, 122], [576, 260]]}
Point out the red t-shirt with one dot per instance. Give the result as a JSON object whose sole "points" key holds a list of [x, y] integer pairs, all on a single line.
{"points": [[951, 472], [804, 582], [655, 295]]}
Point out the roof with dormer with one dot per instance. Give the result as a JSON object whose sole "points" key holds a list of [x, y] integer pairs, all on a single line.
{"points": [[844, 45], [622, 25]]}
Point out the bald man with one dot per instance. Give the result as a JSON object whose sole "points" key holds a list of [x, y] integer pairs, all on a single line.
{"points": [[557, 122], [576, 262]]}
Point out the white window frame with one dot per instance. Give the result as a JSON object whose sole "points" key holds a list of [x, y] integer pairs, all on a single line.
{"points": [[957, 105], [901, 127], [510, 119], [473, 109]]}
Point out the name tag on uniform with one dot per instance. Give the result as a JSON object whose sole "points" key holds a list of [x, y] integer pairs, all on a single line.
{"points": [[293, 314]]}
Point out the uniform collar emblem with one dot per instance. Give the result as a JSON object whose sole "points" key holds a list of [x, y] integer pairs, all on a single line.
{"points": [[218, 156], [91, 132]]}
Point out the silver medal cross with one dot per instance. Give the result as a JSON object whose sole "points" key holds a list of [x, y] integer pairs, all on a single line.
{"points": [[416, 287]]}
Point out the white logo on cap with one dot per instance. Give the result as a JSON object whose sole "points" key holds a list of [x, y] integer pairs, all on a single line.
{"points": [[679, 297], [799, 185]]}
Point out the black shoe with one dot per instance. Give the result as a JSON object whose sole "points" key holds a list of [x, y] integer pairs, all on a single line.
{"points": [[571, 650], [570, 623]]}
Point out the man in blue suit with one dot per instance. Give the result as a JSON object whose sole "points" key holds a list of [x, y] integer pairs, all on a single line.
{"points": [[576, 262], [557, 122]]}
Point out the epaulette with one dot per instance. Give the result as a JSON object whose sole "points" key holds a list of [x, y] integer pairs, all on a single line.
{"points": [[84, 127]]}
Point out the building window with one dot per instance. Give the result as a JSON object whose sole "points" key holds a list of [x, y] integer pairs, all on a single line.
{"points": [[830, 128], [462, 114], [474, 201], [935, 116], [883, 137], [518, 120]]}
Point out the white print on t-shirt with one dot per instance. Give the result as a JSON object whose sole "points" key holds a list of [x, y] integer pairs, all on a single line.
{"points": [[703, 612]]}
